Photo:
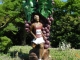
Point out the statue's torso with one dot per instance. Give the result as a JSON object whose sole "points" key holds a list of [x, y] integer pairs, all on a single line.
{"points": [[38, 30]]}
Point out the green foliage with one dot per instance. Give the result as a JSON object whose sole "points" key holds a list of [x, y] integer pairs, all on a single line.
{"points": [[66, 24], [11, 28], [43, 7], [19, 20], [12, 20], [59, 4], [5, 43], [28, 8]]}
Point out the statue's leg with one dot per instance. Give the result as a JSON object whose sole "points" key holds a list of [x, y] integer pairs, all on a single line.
{"points": [[33, 45], [41, 50], [46, 55]]}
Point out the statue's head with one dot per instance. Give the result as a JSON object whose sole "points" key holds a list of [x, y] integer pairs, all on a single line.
{"points": [[36, 17]]}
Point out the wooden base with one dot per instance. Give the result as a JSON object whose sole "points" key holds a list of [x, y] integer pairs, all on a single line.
{"points": [[34, 54]]}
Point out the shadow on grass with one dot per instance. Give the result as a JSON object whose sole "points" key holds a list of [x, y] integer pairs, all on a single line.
{"points": [[20, 55]]}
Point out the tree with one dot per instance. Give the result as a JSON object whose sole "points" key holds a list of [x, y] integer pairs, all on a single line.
{"points": [[12, 22], [66, 24]]}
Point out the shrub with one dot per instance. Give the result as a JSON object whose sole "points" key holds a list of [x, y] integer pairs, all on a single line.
{"points": [[5, 43]]}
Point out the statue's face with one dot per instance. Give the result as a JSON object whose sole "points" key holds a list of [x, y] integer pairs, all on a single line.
{"points": [[36, 17]]}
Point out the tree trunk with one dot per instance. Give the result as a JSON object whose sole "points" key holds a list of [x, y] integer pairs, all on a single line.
{"points": [[24, 37]]}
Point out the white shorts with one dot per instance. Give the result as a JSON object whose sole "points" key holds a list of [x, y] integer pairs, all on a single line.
{"points": [[38, 40]]}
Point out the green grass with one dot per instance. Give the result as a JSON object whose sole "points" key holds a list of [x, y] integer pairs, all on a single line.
{"points": [[21, 53], [70, 54]]}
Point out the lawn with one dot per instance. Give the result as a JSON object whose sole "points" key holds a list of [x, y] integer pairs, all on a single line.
{"points": [[21, 53]]}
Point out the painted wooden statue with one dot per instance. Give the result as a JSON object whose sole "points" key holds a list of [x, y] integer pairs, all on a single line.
{"points": [[38, 20]]}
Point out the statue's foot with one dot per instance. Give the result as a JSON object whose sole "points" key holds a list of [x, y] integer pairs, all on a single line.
{"points": [[49, 56], [39, 59]]}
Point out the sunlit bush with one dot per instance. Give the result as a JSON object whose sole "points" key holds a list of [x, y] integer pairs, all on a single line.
{"points": [[5, 43]]}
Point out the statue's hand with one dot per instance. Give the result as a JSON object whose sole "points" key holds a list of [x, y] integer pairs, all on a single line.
{"points": [[35, 37]]}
